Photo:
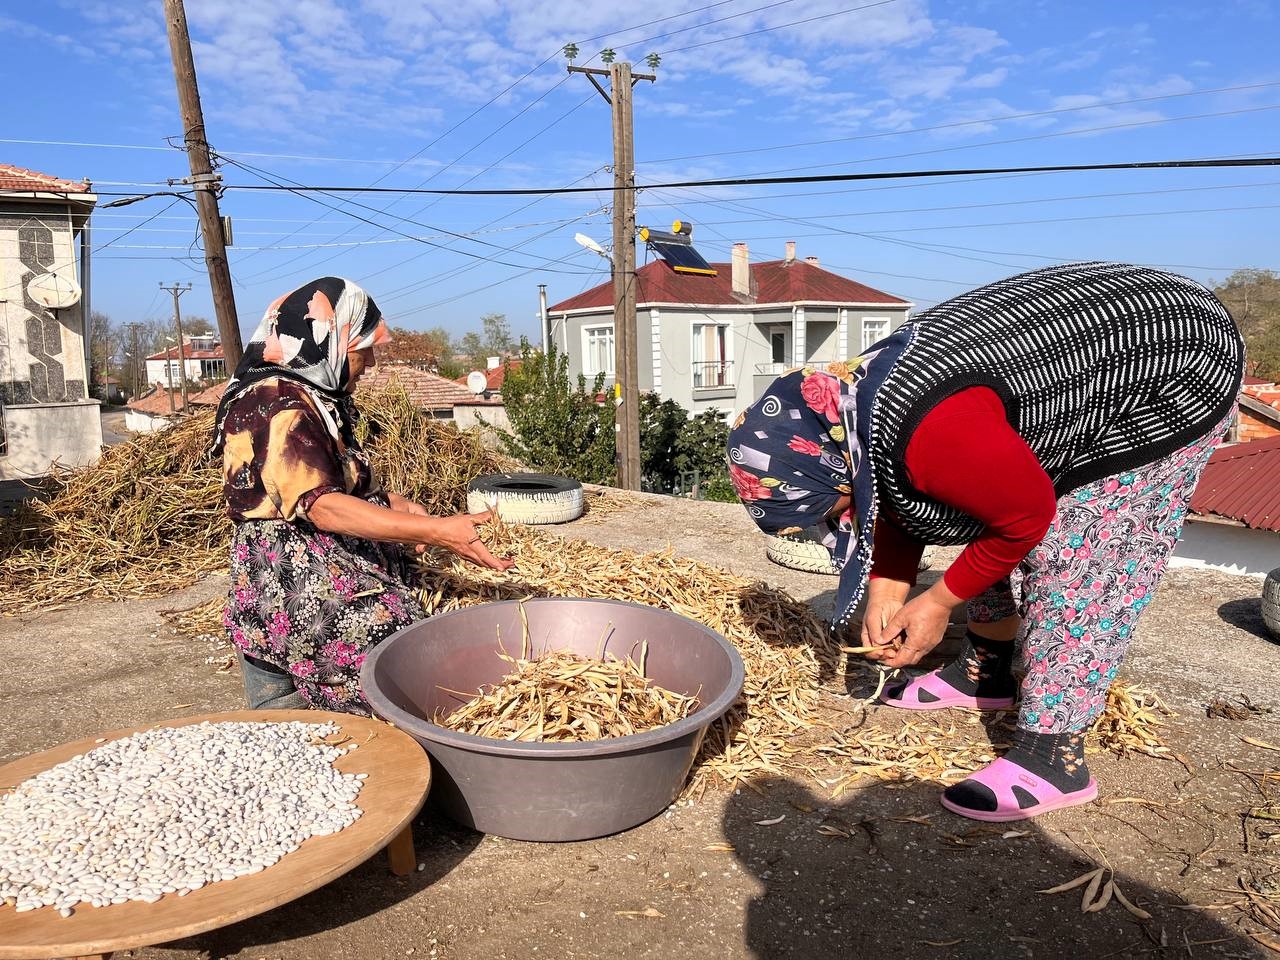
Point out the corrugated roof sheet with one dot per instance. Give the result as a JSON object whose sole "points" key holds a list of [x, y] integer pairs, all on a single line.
{"points": [[1242, 482], [427, 390], [20, 178], [773, 281]]}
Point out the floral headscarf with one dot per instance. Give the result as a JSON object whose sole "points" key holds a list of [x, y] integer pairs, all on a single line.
{"points": [[305, 336], [803, 445]]}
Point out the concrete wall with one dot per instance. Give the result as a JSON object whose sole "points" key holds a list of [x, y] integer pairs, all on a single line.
{"points": [[470, 415], [38, 435], [140, 422], [1226, 547], [41, 351]]}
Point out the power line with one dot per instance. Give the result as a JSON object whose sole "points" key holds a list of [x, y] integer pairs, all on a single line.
{"points": [[781, 26], [1212, 163], [964, 123]]}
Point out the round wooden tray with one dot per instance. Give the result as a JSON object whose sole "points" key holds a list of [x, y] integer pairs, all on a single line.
{"points": [[399, 776]]}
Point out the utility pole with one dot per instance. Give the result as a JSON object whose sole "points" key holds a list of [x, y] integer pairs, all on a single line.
{"points": [[626, 366], [178, 290], [138, 371], [542, 314], [204, 181]]}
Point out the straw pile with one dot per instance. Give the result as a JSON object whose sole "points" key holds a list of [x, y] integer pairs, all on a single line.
{"points": [[148, 518], [563, 696], [947, 746], [786, 649]]}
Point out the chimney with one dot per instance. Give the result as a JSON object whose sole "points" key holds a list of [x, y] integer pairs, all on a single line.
{"points": [[493, 363], [791, 252], [811, 260], [741, 270]]}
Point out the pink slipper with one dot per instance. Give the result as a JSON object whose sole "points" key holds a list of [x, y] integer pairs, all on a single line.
{"points": [[948, 696], [1002, 777]]}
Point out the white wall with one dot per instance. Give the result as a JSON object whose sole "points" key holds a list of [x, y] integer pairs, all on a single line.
{"points": [[41, 361], [470, 415], [156, 372], [1221, 546], [37, 435], [140, 422]]}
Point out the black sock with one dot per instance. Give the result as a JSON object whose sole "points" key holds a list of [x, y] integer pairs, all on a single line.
{"points": [[982, 669], [1055, 757]]}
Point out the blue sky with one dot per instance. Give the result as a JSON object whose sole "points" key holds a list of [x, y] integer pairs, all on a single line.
{"points": [[353, 92]]}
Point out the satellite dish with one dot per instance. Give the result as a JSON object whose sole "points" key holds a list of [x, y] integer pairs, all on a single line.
{"points": [[53, 291], [477, 382], [584, 241]]}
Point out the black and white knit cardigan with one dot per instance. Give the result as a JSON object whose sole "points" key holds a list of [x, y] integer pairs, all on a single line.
{"points": [[1102, 367]]}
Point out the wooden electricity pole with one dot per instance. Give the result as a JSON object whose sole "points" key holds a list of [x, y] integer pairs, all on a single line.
{"points": [[626, 364], [204, 182], [178, 290]]}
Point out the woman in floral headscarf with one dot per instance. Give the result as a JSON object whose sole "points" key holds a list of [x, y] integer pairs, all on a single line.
{"points": [[1056, 424], [317, 572]]}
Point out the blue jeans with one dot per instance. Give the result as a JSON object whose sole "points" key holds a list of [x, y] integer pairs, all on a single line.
{"points": [[267, 687]]}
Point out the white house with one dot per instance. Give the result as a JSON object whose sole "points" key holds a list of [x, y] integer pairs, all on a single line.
{"points": [[46, 413], [718, 342], [201, 355]]}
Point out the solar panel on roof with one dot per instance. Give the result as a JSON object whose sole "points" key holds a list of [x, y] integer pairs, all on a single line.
{"points": [[682, 259]]}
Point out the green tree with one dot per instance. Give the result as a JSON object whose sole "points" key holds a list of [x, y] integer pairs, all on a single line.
{"points": [[1253, 297], [673, 444], [197, 326], [557, 425]]}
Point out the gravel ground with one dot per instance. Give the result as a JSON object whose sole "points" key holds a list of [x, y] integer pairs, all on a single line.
{"points": [[707, 878]]}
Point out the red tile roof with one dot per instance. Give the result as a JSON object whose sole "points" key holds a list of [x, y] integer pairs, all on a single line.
{"points": [[1264, 392], [156, 401], [495, 378], [20, 178], [428, 391], [1242, 482], [171, 353], [775, 281]]}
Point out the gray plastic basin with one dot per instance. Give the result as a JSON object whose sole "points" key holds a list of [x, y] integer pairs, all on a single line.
{"points": [[551, 791]]}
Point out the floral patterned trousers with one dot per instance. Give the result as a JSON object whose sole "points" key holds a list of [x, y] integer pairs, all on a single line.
{"points": [[313, 604], [1085, 586]]}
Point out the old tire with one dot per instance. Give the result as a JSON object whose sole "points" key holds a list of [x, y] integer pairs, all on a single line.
{"points": [[801, 551], [1271, 603], [532, 498]]}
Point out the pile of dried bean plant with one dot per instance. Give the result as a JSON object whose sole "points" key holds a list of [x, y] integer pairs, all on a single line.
{"points": [[148, 518], [563, 696], [788, 654]]}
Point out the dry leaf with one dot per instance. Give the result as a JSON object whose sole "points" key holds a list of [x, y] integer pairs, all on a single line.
{"points": [[770, 823], [1266, 941], [1014, 834], [646, 912], [1260, 743], [719, 847], [828, 830], [1072, 884]]}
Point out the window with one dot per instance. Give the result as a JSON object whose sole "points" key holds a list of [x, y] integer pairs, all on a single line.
{"points": [[778, 346], [711, 365], [873, 329], [597, 352]]}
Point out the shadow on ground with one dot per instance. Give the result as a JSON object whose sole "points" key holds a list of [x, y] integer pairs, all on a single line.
{"points": [[911, 881], [1246, 613]]}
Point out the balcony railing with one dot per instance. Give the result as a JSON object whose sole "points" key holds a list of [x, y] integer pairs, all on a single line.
{"points": [[777, 369], [717, 373]]}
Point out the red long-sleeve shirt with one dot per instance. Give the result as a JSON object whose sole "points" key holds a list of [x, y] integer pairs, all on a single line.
{"points": [[966, 455]]}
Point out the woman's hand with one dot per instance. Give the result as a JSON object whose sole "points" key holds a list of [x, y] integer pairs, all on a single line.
{"points": [[884, 599], [458, 535], [917, 627]]}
